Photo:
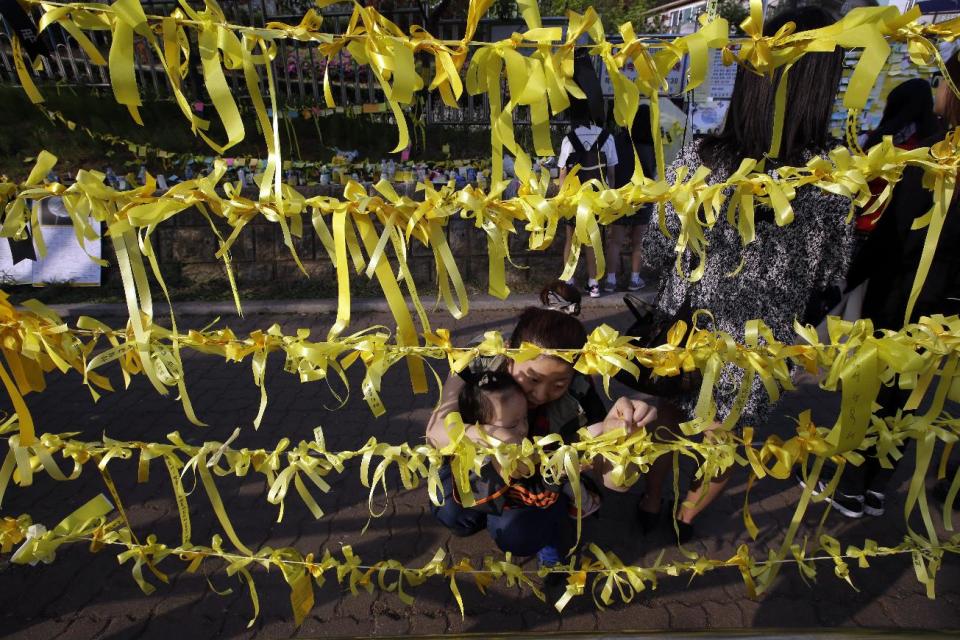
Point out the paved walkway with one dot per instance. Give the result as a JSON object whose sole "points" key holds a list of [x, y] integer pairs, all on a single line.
{"points": [[83, 595]]}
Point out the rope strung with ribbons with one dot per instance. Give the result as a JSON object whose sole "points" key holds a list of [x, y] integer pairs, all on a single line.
{"points": [[609, 577], [169, 158], [348, 228], [628, 456], [856, 360], [375, 41]]}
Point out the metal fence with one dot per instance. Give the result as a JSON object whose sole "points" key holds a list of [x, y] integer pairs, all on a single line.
{"points": [[298, 68]]}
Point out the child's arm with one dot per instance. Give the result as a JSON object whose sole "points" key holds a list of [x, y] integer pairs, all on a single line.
{"points": [[437, 434], [509, 436]]}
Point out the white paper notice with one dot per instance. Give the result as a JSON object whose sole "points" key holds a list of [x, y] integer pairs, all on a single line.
{"points": [[65, 262], [20, 273]]}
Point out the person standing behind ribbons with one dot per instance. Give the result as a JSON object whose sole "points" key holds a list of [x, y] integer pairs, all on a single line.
{"points": [[909, 119], [593, 149], [888, 263], [637, 137], [773, 277]]}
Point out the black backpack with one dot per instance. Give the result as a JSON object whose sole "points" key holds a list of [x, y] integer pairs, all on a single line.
{"points": [[588, 157]]}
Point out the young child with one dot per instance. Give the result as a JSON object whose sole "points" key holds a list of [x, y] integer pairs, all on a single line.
{"points": [[495, 403]]}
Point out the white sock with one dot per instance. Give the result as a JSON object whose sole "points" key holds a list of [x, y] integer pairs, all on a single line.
{"points": [[634, 275], [612, 278], [592, 281]]}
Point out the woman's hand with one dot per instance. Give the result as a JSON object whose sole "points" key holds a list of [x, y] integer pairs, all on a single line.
{"points": [[629, 414]]}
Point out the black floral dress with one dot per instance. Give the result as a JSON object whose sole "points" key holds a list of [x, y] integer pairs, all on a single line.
{"points": [[782, 268]]}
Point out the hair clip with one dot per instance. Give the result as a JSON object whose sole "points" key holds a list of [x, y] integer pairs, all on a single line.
{"points": [[557, 302]]}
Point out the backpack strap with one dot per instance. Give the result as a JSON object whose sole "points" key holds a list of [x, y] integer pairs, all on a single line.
{"points": [[577, 145], [601, 140], [596, 150]]}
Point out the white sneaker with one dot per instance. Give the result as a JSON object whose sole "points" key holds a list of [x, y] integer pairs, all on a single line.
{"points": [[636, 284], [594, 290]]}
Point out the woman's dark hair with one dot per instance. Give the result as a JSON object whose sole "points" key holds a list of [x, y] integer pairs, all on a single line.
{"points": [[580, 115], [548, 329], [910, 103], [952, 109], [811, 93], [473, 402], [640, 131], [639, 128]]}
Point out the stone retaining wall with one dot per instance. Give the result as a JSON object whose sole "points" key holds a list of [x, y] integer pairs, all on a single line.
{"points": [[186, 248]]}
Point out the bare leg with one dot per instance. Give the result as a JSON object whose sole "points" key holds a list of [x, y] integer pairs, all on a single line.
{"points": [[668, 417], [591, 255], [615, 237], [699, 496], [591, 263]]}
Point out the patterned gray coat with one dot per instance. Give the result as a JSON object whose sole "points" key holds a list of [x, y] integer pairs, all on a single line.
{"points": [[782, 268]]}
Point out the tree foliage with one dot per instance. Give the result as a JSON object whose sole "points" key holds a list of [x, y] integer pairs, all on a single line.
{"points": [[735, 11], [612, 12]]}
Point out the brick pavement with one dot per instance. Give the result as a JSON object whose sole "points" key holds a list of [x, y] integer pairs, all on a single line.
{"points": [[84, 595]]}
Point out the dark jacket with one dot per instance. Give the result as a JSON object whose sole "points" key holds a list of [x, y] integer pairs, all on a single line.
{"points": [[891, 255]]}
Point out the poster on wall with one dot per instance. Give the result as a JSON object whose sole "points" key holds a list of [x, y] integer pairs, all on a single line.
{"points": [[707, 117], [66, 262], [676, 78]]}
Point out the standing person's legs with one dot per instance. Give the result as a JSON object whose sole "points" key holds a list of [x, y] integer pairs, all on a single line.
{"points": [[876, 477], [591, 256], [636, 257], [852, 497], [668, 417], [459, 520], [567, 241], [700, 495], [615, 236], [593, 287]]}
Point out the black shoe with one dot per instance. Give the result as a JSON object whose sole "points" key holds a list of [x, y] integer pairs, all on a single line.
{"points": [[554, 586], [850, 506], [648, 520], [873, 502], [684, 532], [821, 484]]}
